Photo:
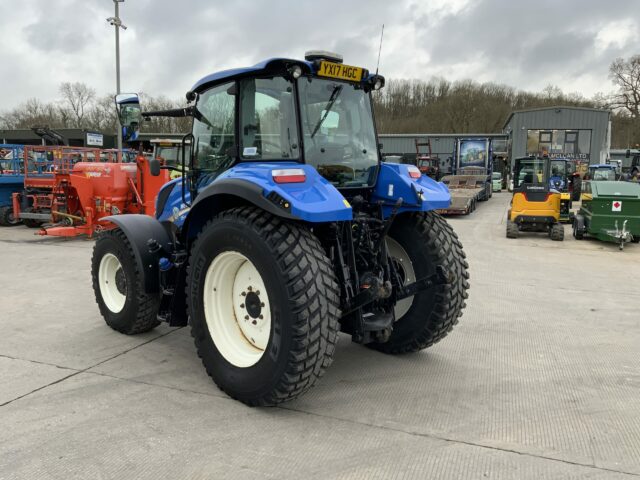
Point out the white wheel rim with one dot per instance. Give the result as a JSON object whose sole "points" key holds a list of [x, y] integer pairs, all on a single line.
{"points": [[113, 285], [407, 274], [237, 309]]}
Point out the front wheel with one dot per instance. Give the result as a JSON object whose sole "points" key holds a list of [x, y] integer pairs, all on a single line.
{"points": [[263, 305], [7, 218], [418, 243], [118, 286]]}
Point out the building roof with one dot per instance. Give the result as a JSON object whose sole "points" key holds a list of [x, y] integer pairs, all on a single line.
{"points": [[553, 107]]}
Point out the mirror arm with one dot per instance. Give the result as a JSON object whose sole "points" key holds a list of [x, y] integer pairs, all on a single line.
{"points": [[174, 112]]}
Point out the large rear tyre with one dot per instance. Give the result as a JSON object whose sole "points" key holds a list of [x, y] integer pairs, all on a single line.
{"points": [[118, 286], [6, 217], [418, 243], [263, 305]]}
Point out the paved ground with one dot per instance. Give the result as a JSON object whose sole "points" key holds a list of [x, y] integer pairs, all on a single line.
{"points": [[541, 379]]}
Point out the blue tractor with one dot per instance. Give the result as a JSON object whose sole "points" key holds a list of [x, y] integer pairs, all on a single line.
{"points": [[284, 229]]}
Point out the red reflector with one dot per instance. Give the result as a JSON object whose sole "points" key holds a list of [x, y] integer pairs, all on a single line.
{"points": [[414, 172], [289, 175]]}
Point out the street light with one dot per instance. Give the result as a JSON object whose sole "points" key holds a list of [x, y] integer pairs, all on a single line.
{"points": [[117, 23]]}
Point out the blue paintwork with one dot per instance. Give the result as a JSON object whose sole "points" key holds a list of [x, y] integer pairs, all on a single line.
{"points": [[314, 200], [13, 182], [420, 195], [228, 75], [175, 211]]}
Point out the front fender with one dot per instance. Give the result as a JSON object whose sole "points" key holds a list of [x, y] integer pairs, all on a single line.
{"points": [[139, 230], [418, 195]]}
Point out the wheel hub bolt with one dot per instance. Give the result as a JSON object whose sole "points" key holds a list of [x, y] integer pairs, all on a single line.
{"points": [[254, 322], [260, 317], [242, 305], [246, 317]]}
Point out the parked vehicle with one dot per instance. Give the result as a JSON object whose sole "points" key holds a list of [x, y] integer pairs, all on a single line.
{"points": [[610, 212], [560, 181], [427, 163], [11, 181], [284, 229], [535, 206], [496, 181]]}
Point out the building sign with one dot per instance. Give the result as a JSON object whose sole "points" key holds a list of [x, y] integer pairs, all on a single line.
{"points": [[570, 144], [94, 139]]}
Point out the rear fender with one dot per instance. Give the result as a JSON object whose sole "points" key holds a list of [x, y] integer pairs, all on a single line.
{"points": [[419, 195], [140, 230], [314, 200]]}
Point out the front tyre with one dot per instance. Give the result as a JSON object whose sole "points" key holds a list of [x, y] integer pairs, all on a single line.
{"points": [[118, 286], [263, 305], [418, 243]]}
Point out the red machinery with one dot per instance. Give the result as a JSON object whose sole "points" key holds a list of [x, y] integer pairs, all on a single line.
{"points": [[426, 163], [68, 189]]}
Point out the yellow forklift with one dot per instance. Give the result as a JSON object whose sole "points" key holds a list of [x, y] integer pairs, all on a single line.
{"points": [[535, 206]]}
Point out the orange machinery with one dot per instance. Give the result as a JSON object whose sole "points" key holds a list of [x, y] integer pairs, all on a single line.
{"points": [[69, 189]]}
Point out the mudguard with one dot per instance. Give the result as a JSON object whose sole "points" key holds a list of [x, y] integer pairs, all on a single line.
{"points": [[418, 195], [313, 200], [140, 230]]}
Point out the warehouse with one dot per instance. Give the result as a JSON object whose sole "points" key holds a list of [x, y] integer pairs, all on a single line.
{"points": [[75, 137], [577, 133], [442, 145]]}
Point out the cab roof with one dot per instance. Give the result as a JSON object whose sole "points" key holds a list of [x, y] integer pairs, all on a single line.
{"points": [[260, 67]]}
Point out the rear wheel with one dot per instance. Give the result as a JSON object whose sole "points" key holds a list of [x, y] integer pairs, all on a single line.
{"points": [[263, 305], [118, 286], [557, 232], [6, 217], [512, 229], [578, 234], [417, 244]]}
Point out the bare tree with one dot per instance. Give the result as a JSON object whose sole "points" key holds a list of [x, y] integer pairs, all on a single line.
{"points": [[625, 74], [78, 98]]}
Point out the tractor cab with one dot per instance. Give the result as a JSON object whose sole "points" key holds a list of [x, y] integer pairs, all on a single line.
{"points": [[561, 179], [603, 172], [535, 205]]}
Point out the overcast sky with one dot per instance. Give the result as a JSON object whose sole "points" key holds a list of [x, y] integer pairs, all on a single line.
{"points": [[169, 44]]}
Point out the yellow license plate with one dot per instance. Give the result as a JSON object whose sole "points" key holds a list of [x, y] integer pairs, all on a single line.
{"points": [[341, 71]]}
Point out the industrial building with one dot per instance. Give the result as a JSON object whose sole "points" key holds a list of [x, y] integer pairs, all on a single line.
{"points": [[576, 133], [442, 145], [75, 137]]}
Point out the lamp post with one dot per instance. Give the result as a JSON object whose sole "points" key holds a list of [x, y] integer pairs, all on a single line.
{"points": [[117, 23]]}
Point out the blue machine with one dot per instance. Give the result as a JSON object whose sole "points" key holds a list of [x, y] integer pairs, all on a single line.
{"points": [[11, 180], [284, 228]]}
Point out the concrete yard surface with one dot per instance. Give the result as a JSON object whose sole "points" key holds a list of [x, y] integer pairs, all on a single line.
{"points": [[541, 379]]}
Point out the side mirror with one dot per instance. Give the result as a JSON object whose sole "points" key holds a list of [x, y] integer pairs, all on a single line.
{"points": [[627, 153], [129, 114], [154, 167]]}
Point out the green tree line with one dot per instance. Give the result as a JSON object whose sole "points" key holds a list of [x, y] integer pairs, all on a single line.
{"points": [[403, 106]]}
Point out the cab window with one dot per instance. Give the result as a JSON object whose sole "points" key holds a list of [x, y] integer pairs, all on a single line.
{"points": [[214, 129], [267, 120]]}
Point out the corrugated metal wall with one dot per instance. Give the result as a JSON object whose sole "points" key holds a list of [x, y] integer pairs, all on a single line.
{"points": [[560, 118]]}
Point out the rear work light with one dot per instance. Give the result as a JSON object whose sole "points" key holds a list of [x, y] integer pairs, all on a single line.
{"points": [[414, 172], [289, 175]]}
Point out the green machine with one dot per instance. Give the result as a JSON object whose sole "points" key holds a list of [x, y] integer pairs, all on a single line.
{"points": [[610, 212]]}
